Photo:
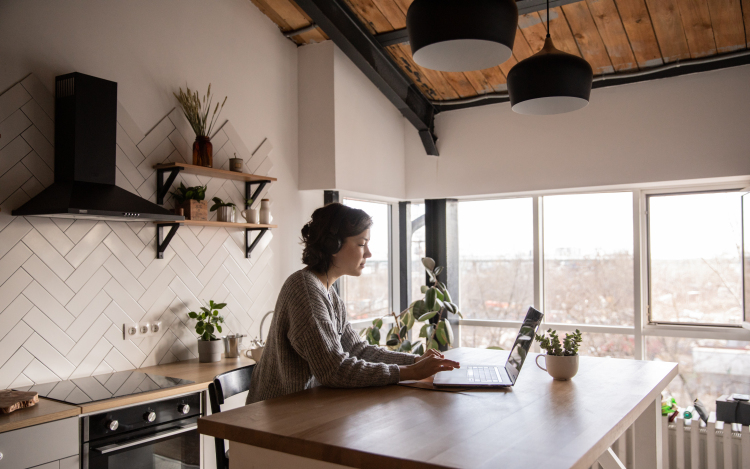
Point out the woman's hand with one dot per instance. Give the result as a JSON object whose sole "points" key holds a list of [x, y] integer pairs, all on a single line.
{"points": [[427, 365]]}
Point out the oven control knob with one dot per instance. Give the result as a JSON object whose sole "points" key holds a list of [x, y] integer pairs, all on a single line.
{"points": [[113, 425], [184, 409], [149, 416]]}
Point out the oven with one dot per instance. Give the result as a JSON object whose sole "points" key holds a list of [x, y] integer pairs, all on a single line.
{"points": [[155, 435]]}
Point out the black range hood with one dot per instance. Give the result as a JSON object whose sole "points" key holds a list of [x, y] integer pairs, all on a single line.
{"points": [[85, 158]]}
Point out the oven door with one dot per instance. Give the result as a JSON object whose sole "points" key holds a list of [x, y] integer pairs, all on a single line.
{"points": [[174, 445]]}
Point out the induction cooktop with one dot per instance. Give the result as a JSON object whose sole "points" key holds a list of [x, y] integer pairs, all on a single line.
{"points": [[101, 387]]}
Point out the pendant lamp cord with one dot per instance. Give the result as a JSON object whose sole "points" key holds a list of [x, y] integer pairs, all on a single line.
{"points": [[547, 18]]}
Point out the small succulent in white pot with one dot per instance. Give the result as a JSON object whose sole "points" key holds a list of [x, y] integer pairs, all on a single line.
{"points": [[208, 322]]}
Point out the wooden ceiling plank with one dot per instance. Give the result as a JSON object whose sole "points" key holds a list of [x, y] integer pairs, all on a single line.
{"points": [[290, 12], [521, 48], [696, 19], [460, 83], [726, 19], [612, 32], [587, 37], [495, 76], [508, 64], [404, 5], [533, 30], [313, 37], [414, 73], [479, 82], [665, 17], [271, 13], [392, 13], [637, 23], [561, 33], [746, 16], [369, 15]]}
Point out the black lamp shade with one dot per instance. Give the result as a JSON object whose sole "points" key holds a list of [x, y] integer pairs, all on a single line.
{"points": [[461, 35], [550, 82]]}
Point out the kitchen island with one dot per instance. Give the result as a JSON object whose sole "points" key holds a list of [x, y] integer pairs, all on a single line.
{"points": [[537, 423]]}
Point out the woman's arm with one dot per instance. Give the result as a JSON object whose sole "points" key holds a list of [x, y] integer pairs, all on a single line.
{"points": [[314, 337], [357, 347]]}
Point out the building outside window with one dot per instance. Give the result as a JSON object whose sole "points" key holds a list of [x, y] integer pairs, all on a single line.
{"points": [[368, 296], [418, 250]]}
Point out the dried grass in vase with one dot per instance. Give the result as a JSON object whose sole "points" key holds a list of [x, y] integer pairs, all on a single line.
{"points": [[196, 110]]}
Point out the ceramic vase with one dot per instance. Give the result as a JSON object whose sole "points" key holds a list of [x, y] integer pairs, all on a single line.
{"points": [[203, 152], [209, 350], [265, 212]]}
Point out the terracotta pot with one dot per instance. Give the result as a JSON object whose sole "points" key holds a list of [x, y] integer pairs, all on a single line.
{"points": [[203, 152], [209, 350], [194, 209], [560, 368]]}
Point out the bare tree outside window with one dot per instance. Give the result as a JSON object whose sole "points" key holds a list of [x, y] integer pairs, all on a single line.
{"points": [[366, 296]]}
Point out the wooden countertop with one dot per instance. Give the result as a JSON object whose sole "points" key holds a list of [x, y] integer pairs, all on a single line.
{"points": [[44, 411], [537, 423], [200, 373]]}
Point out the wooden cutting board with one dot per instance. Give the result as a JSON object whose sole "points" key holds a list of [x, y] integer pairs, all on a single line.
{"points": [[14, 400]]}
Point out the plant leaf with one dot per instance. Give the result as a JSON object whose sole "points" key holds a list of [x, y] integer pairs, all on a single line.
{"points": [[448, 331], [432, 344], [440, 334], [419, 309], [192, 315], [376, 335], [423, 289], [409, 320], [378, 323], [218, 328], [438, 270], [419, 350], [220, 305], [423, 331], [405, 346], [428, 264], [427, 316], [429, 299]]}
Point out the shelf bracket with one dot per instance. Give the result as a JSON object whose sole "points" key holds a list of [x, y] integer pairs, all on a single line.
{"points": [[249, 188], [161, 246], [162, 187], [249, 247]]}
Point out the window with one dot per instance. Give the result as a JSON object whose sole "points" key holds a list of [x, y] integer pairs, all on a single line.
{"points": [[368, 296], [588, 258], [418, 251], [495, 246], [695, 258]]}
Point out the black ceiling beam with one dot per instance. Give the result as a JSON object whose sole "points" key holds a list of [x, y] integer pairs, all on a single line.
{"points": [[400, 36], [341, 25]]}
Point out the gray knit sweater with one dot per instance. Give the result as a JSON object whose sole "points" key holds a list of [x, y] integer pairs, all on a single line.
{"points": [[311, 343]]}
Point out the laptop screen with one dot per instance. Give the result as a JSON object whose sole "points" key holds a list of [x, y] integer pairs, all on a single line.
{"points": [[523, 343]]}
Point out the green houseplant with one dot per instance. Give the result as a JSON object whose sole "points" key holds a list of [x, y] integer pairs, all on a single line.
{"points": [[197, 114], [208, 321], [191, 201], [562, 358], [224, 210], [431, 312]]}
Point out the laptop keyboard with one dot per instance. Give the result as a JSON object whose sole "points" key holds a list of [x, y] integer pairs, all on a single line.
{"points": [[482, 374]]}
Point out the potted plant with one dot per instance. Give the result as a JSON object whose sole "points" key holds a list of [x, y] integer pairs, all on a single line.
{"points": [[191, 200], [209, 346], [196, 112], [561, 359], [432, 311], [224, 210]]}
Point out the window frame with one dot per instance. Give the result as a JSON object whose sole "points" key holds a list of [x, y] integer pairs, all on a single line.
{"points": [[642, 327]]}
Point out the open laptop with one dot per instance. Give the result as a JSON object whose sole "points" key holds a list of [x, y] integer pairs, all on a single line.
{"points": [[496, 375]]}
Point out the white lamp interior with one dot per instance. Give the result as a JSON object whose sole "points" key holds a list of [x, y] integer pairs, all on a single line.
{"points": [[462, 55], [550, 105]]}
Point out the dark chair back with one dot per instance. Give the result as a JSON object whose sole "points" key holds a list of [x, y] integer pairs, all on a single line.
{"points": [[225, 386]]}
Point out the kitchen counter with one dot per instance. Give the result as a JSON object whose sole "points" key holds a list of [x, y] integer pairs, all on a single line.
{"points": [[44, 411], [201, 373]]}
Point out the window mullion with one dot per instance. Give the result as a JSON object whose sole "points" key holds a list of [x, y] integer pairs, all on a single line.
{"points": [[640, 275], [538, 254]]}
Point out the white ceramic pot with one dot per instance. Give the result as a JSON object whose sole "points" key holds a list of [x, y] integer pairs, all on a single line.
{"points": [[265, 212], [560, 368], [209, 350], [251, 215], [225, 214]]}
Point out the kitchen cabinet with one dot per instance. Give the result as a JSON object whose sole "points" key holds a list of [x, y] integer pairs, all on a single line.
{"points": [[52, 445]]}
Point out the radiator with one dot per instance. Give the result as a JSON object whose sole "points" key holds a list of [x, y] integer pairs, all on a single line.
{"points": [[713, 446]]}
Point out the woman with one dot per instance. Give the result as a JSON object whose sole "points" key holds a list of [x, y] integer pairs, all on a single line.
{"points": [[310, 341]]}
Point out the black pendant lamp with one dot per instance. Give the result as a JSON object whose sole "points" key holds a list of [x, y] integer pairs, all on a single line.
{"points": [[550, 81], [461, 35]]}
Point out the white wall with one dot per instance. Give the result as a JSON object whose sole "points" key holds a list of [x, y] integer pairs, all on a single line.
{"points": [[150, 49], [688, 127], [346, 124]]}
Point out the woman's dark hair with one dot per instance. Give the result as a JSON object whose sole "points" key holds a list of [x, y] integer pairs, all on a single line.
{"points": [[324, 235]]}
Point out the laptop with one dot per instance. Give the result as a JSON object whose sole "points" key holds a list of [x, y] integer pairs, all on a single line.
{"points": [[496, 375]]}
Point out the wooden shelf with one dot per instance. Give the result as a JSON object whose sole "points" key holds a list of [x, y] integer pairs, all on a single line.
{"points": [[214, 173], [219, 224]]}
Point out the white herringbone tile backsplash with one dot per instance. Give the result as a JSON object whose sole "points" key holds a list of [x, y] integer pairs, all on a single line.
{"points": [[68, 286]]}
